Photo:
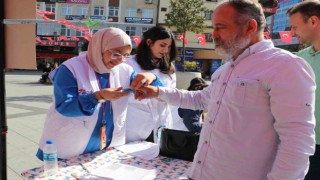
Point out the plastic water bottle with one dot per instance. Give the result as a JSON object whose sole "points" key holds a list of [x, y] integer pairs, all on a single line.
{"points": [[159, 133], [50, 158]]}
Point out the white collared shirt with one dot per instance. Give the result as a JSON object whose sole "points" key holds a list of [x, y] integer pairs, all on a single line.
{"points": [[260, 122]]}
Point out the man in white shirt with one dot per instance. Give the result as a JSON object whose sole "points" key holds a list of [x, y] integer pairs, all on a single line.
{"points": [[260, 122]]}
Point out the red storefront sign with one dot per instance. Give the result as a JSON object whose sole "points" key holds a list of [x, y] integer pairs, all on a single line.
{"points": [[58, 43], [269, 10], [79, 1], [54, 55]]}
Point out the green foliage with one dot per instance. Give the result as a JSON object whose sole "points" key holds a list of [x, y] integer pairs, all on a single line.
{"points": [[92, 23], [187, 15]]}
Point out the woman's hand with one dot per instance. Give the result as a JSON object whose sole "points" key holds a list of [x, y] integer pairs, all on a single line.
{"points": [[142, 79], [146, 92], [110, 94]]}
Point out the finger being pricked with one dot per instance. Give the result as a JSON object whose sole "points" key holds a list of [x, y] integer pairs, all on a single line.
{"points": [[138, 81], [146, 92]]}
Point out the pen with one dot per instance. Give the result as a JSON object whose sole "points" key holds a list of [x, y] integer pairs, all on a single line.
{"points": [[85, 168]]}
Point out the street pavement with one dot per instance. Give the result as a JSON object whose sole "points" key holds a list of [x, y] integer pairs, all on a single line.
{"points": [[27, 102]]}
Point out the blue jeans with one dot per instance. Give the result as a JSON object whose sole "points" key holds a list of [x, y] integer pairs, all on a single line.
{"points": [[314, 168]]}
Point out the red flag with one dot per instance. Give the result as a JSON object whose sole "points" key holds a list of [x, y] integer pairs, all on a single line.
{"points": [[88, 36], [185, 40], [39, 40], [45, 18], [63, 37], [136, 39], [50, 39], [266, 35], [72, 26], [64, 22], [82, 29], [285, 36], [50, 13], [75, 38], [38, 11], [202, 39]]}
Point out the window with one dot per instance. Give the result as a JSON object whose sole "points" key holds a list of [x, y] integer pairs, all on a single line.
{"points": [[207, 16], [147, 13], [163, 9], [51, 7], [208, 37], [66, 10], [213, 0], [131, 12], [65, 31], [38, 6], [113, 11], [82, 10], [47, 28], [144, 29], [80, 34], [98, 11], [131, 31]]}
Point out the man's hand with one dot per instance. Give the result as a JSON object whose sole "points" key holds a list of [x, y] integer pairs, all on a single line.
{"points": [[142, 79], [146, 92]]}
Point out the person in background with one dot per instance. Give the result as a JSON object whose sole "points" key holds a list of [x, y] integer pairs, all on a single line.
{"points": [[55, 65], [192, 118], [54, 69], [305, 25], [84, 47], [45, 73], [155, 54], [89, 108], [260, 120]]}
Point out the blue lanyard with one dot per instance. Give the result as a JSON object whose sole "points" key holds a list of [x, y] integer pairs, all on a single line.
{"points": [[107, 103]]}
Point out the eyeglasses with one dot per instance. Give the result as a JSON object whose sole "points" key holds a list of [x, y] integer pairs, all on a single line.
{"points": [[116, 55]]}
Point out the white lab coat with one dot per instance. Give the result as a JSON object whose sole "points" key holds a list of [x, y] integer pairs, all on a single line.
{"points": [[147, 115]]}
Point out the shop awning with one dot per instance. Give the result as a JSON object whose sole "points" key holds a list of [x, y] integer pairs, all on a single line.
{"points": [[55, 55]]}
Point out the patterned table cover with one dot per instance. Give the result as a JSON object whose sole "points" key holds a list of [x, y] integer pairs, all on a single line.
{"points": [[167, 168]]}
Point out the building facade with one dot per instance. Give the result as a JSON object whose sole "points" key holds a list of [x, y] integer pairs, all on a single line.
{"points": [[59, 40], [204, 58], [58, 34], [280, 22]]}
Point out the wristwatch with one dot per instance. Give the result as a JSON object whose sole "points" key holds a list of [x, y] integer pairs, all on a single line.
{"points": [[100, 98]]}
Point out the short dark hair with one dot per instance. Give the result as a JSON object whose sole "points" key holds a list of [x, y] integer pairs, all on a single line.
{"points": [[248, 9], [306, 8], [144, 56], [197, 84]]}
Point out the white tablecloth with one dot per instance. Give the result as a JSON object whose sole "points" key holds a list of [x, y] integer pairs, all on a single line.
{"points": [[167, 168]]}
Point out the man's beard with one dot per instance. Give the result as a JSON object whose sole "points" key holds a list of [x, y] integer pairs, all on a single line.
{"points": [[303, 41], [233, 46]]}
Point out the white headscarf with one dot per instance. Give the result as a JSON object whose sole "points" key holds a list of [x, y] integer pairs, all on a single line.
{"points": [[103, 40]]}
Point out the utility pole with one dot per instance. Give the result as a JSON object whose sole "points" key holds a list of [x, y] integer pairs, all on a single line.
{"points": [[3, 118]]}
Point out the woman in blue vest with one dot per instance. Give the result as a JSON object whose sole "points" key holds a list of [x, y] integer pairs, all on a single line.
{"points": [[89, 107]]}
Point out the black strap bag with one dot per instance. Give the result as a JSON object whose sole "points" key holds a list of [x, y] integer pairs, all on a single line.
{"points": [[178, 144]]}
